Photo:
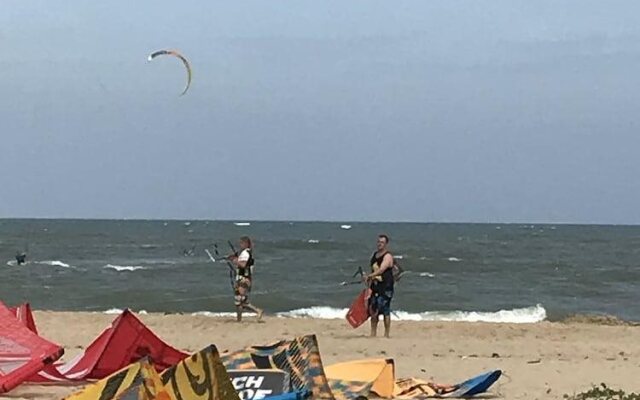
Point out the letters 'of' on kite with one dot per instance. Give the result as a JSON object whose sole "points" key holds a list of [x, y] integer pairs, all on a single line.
{"points": [[181, 57]]}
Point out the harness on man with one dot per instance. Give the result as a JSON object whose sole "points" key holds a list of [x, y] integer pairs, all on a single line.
{"points": [[243, 279]]}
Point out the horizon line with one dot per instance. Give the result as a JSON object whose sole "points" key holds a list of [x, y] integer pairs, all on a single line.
{"points": [[258, 220]]}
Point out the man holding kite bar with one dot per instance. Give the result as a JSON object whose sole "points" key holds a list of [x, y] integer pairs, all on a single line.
{"points": [[381, 282], [243, 263]]}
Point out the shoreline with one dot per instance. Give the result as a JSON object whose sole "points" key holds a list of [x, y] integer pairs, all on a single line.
{"points": [[335, 314], [545, 359]]}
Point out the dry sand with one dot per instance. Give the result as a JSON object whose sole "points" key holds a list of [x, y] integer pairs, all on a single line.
{"points": [[544, 360]]}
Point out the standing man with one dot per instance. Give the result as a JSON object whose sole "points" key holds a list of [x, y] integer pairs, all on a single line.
{"points": [[381, 284], [243, 264]]}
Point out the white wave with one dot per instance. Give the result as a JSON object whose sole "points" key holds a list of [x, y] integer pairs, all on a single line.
{"points": [[118, 311], [319, 312], [187, 224], [345, 227], [120, 268], [526, 315], [515, 316], [454, 259], [242, 223], [399, 257], [53, 263], [314, 241], [427, 274], [219, 314]]}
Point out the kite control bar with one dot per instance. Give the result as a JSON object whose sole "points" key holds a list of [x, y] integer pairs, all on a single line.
{"points": [[232, 270], [233, 249], [360, 272]]}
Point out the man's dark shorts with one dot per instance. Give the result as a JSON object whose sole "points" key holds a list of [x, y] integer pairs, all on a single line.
{"points": [[380, 303]]}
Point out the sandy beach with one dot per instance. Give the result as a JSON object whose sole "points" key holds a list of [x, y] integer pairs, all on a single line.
{"points": [[544, 360]]}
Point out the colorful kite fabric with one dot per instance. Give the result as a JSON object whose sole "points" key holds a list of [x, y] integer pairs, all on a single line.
{"points": [[362, 378], [198, 377], [126, 341], [22, 352], [138, 381], [23, 314], [299, 357], [202, 376]]}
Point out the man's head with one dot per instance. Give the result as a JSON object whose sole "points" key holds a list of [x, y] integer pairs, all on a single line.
{"points": [[245, 242], [383, 241]]}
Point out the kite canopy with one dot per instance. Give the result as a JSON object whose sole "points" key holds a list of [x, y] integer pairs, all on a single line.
{"points": [[362, 377], [23, 314], [22, 352], [177, 54], [299, 357], [200, 376], [127, 340]]}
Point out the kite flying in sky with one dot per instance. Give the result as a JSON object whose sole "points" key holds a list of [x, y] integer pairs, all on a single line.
{"points": [[175, 53]]}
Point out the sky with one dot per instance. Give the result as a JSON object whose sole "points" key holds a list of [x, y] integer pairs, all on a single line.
{"points": [[438, 111]]}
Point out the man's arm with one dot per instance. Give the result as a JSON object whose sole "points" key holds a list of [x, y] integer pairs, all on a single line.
{"points": [[241, 260], [242, 263], [387, 262]]}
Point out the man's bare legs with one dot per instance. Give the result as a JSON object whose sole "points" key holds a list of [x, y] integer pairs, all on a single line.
{"points": [[242, 293], [374, 325], [387, 326]]}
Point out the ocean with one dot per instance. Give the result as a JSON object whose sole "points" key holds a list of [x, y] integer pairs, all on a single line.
{"points": [[468, 272]]}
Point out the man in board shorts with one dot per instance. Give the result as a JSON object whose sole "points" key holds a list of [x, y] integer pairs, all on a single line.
{"points": [[381, 281]]}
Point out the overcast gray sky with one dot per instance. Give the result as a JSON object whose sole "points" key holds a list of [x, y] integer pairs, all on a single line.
{"points": [[497, 111]]}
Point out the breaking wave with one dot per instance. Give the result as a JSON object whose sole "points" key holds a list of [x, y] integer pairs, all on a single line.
{"points": [[220, 314], [118, 311], [51, 263], [526, 315], [454, 259], [121, 268], [318, 312]]}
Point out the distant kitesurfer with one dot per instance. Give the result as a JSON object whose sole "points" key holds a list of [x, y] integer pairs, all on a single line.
{"points": [[21, 257], [190, 252], [243, 264], [381, 281]]}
